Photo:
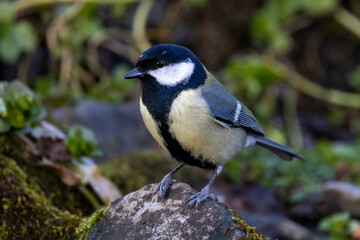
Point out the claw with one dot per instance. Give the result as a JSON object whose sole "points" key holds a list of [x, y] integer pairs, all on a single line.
{"points": [[199, 197], [164, 186]]}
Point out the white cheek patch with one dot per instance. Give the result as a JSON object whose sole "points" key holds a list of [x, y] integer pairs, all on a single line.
{"points": [[173, 74]]}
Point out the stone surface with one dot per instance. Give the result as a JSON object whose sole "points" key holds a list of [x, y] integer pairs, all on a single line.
{"points": [[118, 127], [139, 215], [347, 195], [277, 226]]}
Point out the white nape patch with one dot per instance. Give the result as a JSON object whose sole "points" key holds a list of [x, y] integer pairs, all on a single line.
{"points": [[173, 74], [237, 112]]}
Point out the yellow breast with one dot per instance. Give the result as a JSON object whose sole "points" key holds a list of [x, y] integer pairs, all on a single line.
{"points": [[192, 125], [150, 124]]}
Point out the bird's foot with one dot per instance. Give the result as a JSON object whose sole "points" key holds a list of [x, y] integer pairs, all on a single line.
{"points": [[199, 197], [164, 185]]}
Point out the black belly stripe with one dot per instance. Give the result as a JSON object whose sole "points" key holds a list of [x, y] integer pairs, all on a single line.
{"points": [[158, 100], [179, 153]]}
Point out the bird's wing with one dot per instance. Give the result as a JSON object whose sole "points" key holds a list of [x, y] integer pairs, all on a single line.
{"points": [[226, 109]]}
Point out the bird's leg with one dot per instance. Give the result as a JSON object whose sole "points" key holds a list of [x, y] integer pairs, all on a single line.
{"points": [[166, 182], [205, 192]]}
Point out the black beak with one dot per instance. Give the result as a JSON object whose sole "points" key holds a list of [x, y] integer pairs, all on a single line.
{"points": [[135, 73]]}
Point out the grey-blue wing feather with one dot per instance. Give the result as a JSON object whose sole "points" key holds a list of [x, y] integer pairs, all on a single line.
{"points": [[223, 106], [225, 110]]}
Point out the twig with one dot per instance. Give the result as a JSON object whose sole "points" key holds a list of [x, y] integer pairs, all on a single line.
{"points": [[315, 90], [88, 194], [122, 50], [65, 68], [23, 4], [348, 21], [59, 22], [291, 118], [106, 38], [23, 69], [139, 30]]}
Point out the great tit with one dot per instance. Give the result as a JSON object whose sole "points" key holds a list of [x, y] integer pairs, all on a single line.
{"points": [[193, 116]]}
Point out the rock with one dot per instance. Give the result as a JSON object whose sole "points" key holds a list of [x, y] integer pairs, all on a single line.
{"points": [[253, 198], [347, 195], [276, 226], [314, 208], [140, 216], [118, 128]]}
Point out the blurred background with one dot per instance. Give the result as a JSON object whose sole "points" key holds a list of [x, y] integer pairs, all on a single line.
{"points": [[294, 63]]}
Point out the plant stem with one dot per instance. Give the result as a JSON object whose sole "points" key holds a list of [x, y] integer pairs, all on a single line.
{"points": [[139, 30], [348, 21], [23, 4], [308, 87]]}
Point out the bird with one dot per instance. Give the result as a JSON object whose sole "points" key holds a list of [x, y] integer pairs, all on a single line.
{"points": [[194, 117]]}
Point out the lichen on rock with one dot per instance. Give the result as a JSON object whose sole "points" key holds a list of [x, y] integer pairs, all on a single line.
{"points": [[139, 215]]}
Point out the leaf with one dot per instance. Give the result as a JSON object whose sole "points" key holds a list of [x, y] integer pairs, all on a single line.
{"points": [[9, 49], [3, 110], [25, 36], [19, 107], [15, 38], [16, 89], [81, 142], [7, 11], [338, 225], [4, 126], [319, 7]]}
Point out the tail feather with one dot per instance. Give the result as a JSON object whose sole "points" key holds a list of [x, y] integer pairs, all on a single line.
{"points": [[280, 150]]}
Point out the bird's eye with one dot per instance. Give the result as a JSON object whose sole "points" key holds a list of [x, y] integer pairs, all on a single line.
{"points": [[160, 63]]}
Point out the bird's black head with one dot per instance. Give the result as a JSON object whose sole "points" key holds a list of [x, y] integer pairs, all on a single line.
{"points": [[170, 66], [165, 71]]}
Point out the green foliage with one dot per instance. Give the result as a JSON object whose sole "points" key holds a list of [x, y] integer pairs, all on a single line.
{"points": [[250, 79], [114, 88], [19, 107], [86, 224], [340, 226], [251, 74], [196, 3], [16, 37], [268, 24], [305, 178], [354, 78], [48, 90], [35, 203], [77, 31], [81, 142]]}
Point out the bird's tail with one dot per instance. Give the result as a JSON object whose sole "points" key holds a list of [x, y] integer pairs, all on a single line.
{"points": [[280, 150]]}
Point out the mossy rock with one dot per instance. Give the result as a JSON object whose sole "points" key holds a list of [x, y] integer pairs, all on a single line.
{"points": [[140, 215], [35, 203]]}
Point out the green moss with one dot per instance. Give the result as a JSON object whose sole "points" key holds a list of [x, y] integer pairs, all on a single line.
{"points": [[133, 171], [47, 180], [35, 203], [26, 212], [86, 224], [251, 233]]}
